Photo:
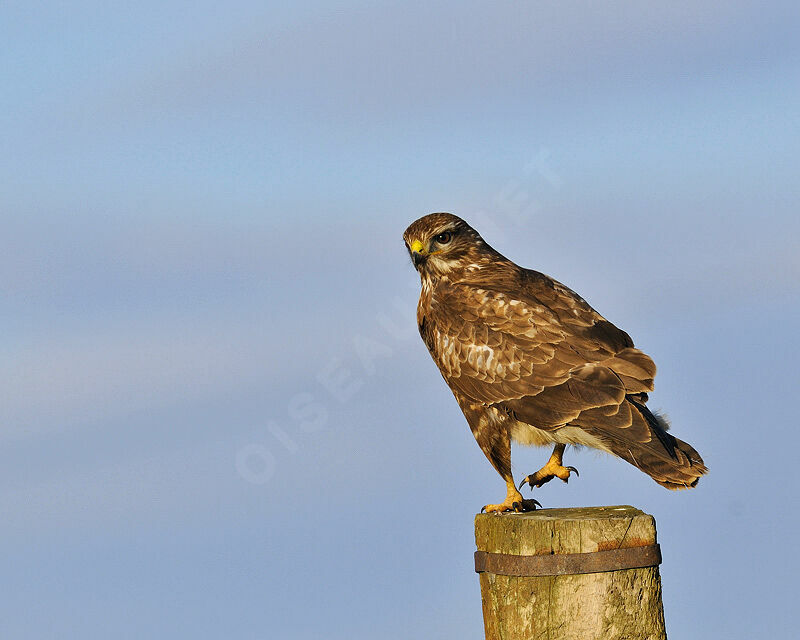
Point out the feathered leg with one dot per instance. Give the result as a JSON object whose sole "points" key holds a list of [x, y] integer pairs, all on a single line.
{"points": [[498, 449], [553, 469]]}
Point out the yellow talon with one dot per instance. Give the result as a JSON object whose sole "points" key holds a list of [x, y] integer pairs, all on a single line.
{"points": [[553, 469], [513, 502]]}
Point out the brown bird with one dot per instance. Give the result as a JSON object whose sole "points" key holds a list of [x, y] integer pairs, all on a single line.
{"points": [[529, 360]]}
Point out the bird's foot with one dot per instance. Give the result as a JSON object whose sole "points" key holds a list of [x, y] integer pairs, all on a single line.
{"points": [[514, 502], [547, 473]]}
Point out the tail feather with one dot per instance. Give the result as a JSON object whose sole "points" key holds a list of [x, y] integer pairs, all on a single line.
{"points": [[669, 461], [656, 427], [681, 472]]}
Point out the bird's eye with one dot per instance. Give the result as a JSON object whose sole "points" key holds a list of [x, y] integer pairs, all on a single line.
{"points": [[444, 238]]}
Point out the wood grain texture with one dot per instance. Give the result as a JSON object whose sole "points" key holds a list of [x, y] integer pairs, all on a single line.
{"points": [[615, 605]]}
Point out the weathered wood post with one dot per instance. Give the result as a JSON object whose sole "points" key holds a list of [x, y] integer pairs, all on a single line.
{"points": [[570, 574]]}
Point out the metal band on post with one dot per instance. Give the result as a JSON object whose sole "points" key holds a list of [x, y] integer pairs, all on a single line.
{"points": [[568, 563]]}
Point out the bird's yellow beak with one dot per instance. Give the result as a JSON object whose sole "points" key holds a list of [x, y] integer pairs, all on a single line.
{"points": [[418, 254]]}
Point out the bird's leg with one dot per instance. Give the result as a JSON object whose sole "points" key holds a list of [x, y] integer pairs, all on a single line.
{"points": [[553, 469], [513, 502], [497, 448]]}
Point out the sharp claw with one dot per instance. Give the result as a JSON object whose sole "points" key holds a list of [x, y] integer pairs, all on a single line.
{"points": [[483, 508], [531, 504], [575, 470], [522, 484]]}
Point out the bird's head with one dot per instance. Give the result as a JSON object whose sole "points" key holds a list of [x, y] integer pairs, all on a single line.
{"points": [[441, 244]]}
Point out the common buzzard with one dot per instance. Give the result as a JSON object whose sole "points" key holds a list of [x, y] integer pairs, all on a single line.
{"points": [[529, 360]]}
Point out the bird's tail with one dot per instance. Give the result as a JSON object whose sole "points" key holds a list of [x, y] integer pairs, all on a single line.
{"points": [[671, 462]]}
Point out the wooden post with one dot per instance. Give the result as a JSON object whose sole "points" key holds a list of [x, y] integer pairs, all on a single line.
{"points": [[534, 586]]}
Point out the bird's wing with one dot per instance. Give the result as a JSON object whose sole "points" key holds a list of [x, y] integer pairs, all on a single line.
{"points": [[537, 348]]}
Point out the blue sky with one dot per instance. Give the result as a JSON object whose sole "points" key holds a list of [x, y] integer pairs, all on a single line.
{"points": [[217, 418]]}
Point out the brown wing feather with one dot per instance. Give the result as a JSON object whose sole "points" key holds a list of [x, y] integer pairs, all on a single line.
{"points": [[542, 351]]}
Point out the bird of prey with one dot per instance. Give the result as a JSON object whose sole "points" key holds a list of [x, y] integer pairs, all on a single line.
{"points": [[529, 360]]}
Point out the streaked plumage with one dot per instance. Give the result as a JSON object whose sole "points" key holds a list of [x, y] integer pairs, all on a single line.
{"points": [[528, 359]]}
